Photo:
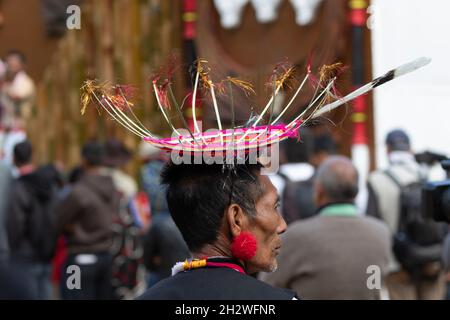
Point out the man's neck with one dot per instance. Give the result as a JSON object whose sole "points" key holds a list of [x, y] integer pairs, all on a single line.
{"points": [[401, 157], [211, 250], [25, 169], [92, 170]]}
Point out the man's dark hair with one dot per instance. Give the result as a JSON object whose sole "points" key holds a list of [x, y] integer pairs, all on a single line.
{"points": [[324, 143], [198, 194], [75, 174], [18, 54], [93, 153], [299, 152], [398, 140], [22, 153]]}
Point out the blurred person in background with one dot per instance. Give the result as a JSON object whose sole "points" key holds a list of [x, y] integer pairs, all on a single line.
{"points": [[446, 264], [85, 217], [2, 80], [296, 166], [31, 222], [17, 92], [9, 137], [394, 197], [164, 246], [116, 156], [129, 226], [324, 146], [327, 256], [294, 170], [298, 198], [60, 256], [5, 189], [163, 243], [153, 160]]}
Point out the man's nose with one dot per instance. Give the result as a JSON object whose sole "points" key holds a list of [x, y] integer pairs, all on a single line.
{"points": [[282, 226]]}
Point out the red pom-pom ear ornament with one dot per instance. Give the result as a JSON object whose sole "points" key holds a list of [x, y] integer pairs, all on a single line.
{"points": [[244, 246]]}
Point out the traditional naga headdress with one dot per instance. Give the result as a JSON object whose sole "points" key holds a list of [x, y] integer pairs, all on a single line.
{"points": [[115, 101]]}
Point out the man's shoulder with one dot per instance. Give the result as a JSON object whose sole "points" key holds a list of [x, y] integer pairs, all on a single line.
{"points": [[377, 175], [399, 171], [374, 223], [306, 224], [310, 225], [303, 229], [214, 284]]}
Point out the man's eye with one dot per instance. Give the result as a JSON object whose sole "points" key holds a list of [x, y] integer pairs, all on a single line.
{"points": [[277, 206]]}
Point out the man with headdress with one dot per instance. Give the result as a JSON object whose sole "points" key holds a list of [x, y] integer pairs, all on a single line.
{"points": [[230, 221]]}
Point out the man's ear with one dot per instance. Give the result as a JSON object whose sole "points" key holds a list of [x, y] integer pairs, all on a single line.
{"points": [[236, 218]]}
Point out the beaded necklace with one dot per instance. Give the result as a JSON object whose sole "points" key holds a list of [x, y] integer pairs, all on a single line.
{"points": [[206, 263]]}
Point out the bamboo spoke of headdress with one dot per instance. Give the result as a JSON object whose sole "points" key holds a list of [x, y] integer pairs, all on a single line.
{"points": [[178, 109], [264, 110], [313, 103], [216, 108], [271, 114], [280, 81], [124, 119], [232, 113], [161, 108], [329, 107], [92, 89], [118, 119], [287, 106], [203, 72], [131, 111], [194, 102], [292, 99], [319, 105], [324, 91]]}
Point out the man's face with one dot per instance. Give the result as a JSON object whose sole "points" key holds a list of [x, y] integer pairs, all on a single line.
{"points": [[266, 227], [13, 64]]}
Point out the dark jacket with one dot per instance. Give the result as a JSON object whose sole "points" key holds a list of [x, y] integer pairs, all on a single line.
{"points": [[86, 215], [163, 245], [214, 284], [298, 200], [30, 194]]}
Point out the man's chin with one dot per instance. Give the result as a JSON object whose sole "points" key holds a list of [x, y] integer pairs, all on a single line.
{"points": [[272, 267]]}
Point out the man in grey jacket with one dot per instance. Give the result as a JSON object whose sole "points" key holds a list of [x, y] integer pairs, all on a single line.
{"points": [[337, 254]]}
